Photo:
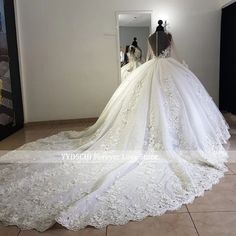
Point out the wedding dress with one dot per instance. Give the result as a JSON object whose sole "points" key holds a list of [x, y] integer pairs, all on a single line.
{"points": [[134, 57], [158, 144]]}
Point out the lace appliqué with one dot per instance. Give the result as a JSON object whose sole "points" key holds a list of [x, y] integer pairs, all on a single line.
{"points": [[166, 53]]}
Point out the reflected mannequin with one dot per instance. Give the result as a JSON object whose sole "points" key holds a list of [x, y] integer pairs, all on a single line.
{"points": [[134, 60]]}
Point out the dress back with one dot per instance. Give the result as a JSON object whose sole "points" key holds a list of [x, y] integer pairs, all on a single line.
{"points": [[160, 44]]}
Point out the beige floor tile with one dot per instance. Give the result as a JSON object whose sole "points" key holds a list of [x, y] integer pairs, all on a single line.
{"points": [[32, 135], [229, 172], [64, 232], [3, 152], [232, 131], [231, 147], [23, 136], [232, 152], [232, 156], [11, 144], [233, 135], [183, 209], [39, 126], [13, 141], [9, 231], [68, 128], [220, 198], [232, 142], [232, 167], [215, 223], [73, 127], [166, 225]]}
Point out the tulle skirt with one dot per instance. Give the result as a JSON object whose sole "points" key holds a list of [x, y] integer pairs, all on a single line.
{"points": [[127, 69], [158, 144]]}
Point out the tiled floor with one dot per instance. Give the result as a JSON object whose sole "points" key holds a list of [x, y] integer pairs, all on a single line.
{"points": [[213, 214]]}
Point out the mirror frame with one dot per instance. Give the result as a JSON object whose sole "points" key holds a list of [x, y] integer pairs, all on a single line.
{"points": [[117, 13]]}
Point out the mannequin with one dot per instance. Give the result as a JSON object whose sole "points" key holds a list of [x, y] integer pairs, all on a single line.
{"points": [[160, 26], [134, 56], [135, 44], [126, 59], [160, 40]]}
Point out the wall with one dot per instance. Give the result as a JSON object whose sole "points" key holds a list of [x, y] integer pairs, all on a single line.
{"points": [[69, 53], [127, 35]]}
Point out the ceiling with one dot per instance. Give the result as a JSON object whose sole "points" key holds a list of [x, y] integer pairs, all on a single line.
{"points": [[135, 20], [144, 19]]}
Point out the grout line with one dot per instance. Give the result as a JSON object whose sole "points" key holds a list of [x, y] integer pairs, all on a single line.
{"points": [[107, 230], [192, 221], [211, 211], [229, 169], [175, 212], [19, 233], [194, 224]]}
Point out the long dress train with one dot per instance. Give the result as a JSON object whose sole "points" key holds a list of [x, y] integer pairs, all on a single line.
{"points": [[157, 145]]}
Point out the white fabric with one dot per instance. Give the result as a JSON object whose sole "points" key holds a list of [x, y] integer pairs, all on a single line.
{"points": [[161, 109], [134, 63], [122, 56]]}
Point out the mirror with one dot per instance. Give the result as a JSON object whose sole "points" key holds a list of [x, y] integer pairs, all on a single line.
{"points": [[134, 29]]}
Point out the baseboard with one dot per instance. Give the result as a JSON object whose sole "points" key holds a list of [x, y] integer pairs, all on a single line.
{"points": [[59, 122]]}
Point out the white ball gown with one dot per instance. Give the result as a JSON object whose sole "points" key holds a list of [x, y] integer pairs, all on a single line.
{"points": [[158, 144], [134, 57]]}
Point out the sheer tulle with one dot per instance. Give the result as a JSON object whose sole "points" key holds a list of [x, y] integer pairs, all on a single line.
{"points": [[166, 134]]}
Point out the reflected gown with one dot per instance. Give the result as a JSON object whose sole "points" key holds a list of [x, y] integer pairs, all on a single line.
{"points": [[134, 62]]}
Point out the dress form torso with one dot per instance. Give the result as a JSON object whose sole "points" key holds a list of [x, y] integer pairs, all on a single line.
{"points": [[134, 54], [159, 42]]}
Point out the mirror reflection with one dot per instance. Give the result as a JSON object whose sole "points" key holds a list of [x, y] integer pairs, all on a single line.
{"points": [[134, 30]]}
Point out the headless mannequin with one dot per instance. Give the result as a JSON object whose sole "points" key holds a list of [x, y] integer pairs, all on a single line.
{"points": [[160, 26], [135, 44], [160, 40]]}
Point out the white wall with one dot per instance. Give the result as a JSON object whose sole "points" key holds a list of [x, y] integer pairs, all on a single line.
{"points": [[69, 50], [127, 35]]}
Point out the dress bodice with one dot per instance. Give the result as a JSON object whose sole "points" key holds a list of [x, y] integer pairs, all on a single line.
{"points": [[134, 54], [160, 43]]}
